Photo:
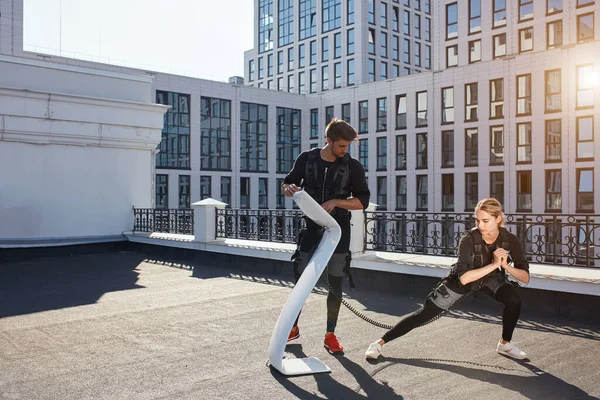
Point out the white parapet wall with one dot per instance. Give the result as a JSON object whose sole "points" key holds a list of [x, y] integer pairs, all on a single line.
{"points": [[73, 165]]}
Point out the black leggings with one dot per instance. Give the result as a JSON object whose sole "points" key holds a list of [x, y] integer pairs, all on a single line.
{"points": [[506, 294], [334, 301]]}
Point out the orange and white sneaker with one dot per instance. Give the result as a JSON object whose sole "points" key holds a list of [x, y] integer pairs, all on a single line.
{"points": [[332, 343], [294, 334]]}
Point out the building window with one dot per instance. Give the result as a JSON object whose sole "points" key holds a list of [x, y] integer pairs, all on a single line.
{"points": [[313, 81], [427, 29], [244, 192], [260, 68], [328, 114], [290, 60], [422, 193], [554, 6], [452, 56], [263, 193], [382, 154], [226, 190], [337, 45], [350, 42], [175, 142], [471, 100], [585, 190], [421, 109], [291, 84], [286, 22], [553, 91], [253, 137], [314, 123], [422, 150], [371, 11], [363, 116], [381, 114], [554, 34], [499, 13], [499, 45], [471, 147], [474, 51], [401, 111], [447, 192], [280, 62], [371, 70], [448, 105], [427, 56], [382, 192], [302, 82], [265, 30], [371, 48], [308, 18], [497, 98], [401, 152], [325, 78], [451, 21], [471, 191], [279, 196], [350, 11], [407, 22], [184, 191], [288, 138], [417, 54], [346, 112], [406, 53], [553, 140], [581, 3], [401, 193], [496, 145], [523, 191], [350, 72], [383, 15], [585, 138], [301, 55], [585, 86], [215, 128], [337, 73], [205, 187], [383, 45], [474, 16], [553, 190], [251, 70], [417, 24], [525, 39], [383, 70], [270, 65], [497, 186], [363, 153], [524, 95], [524, 142], [447, 149], [585, 27], [162, 191], [525, 10]]}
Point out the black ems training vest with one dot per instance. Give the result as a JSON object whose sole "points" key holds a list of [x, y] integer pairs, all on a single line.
{"points": [[478, 248], [327, 183]]}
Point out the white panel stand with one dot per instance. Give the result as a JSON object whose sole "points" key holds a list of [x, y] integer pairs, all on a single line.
{"points": [[307, 281]]}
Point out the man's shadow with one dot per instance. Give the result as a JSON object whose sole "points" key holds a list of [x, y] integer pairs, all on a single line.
{"points": [[332, 389], [538, 385]]}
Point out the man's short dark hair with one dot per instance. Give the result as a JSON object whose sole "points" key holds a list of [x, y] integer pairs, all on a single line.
{"points": [[339, 129]]}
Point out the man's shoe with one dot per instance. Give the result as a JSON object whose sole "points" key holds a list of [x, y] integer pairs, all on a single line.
{"points": [[511, 350], [332, 344], [294, 334], [373, 351]]}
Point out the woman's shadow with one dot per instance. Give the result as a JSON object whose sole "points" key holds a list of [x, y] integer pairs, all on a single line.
{"points": [[332, 389], [538, 385]]}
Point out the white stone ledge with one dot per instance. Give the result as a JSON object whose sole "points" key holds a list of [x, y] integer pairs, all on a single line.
{"points": [[546, 277]]}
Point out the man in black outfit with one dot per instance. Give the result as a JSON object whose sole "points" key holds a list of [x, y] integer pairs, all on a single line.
{"points": [[336, 181]]}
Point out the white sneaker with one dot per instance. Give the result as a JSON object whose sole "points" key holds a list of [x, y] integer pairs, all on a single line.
{"points": [[511, 350], [373, 351]]}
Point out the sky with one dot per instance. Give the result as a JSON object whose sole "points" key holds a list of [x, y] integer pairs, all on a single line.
{"points": [[200, 38]]}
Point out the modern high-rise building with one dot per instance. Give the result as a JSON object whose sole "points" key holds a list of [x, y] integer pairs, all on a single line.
{"points": [[310, 46]]}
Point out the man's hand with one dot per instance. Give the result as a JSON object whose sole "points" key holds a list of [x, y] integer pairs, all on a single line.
{"points": [[329, 205], [289, 190]]}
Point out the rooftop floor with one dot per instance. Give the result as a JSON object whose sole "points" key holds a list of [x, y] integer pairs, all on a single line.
{"points": [[123, 325]]}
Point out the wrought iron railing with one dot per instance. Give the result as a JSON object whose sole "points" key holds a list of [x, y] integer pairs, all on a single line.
{"points": [[264, 225], [557, 239], [172, 220]]}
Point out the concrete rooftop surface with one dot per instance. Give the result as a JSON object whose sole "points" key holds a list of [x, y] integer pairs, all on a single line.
{"points": [[123, 325]]}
